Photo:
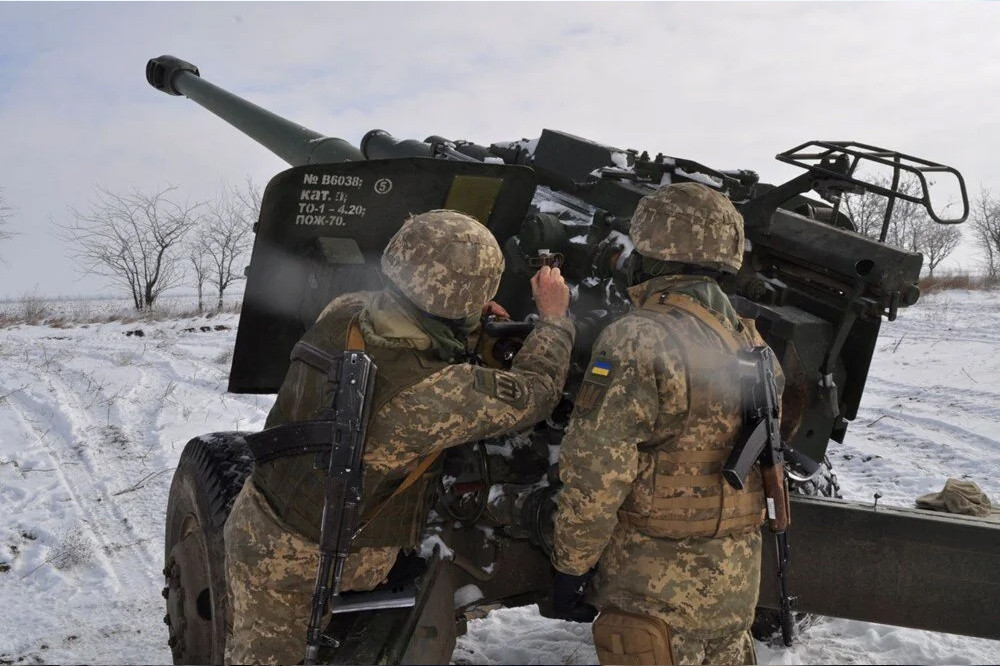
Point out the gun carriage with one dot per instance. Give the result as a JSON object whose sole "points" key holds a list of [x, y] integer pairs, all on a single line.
{"points": [[818, 291]]}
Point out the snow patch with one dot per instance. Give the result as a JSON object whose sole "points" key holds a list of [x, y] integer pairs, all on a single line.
{"points": [[620, 159], [87, 412], [434, 542], [702, 178], [467, 594], [496, 493]]}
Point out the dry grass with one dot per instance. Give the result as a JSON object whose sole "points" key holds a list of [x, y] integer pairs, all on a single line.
{"points": [[33, 310], [945, 281]]}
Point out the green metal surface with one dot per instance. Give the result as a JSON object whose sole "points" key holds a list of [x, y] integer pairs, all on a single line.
{"points": [[905, 567]]}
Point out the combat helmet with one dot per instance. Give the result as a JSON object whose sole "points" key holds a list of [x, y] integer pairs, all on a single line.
{"points": [[445, 262], [689, 223]]}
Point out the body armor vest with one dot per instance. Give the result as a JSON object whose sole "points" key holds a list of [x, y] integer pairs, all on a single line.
{"points": [[682, 493], [294, 485]]}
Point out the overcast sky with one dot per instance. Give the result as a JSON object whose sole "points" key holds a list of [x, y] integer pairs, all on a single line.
{"points": [[726, 84]]}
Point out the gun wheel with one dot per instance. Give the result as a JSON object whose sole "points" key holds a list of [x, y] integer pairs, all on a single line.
{"points": [[209, 475]]}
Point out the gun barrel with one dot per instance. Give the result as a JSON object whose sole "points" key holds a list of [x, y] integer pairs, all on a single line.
{"points": [[379, 144], [290, 141]]}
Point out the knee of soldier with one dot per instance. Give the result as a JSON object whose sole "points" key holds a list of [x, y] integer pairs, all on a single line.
{"points": [[630, 638], [736, 648]]}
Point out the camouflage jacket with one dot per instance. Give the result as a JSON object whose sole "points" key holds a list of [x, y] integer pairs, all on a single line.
{"points": [[644, 400], [445, 405]]}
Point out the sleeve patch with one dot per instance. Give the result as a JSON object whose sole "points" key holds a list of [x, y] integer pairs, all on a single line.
{"points": [[500, 386], [596, 381]]}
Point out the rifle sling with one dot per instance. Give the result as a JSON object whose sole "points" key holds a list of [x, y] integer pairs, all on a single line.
{"points": [[411, 478], [292, 439], [322, 361], [302, 437]]}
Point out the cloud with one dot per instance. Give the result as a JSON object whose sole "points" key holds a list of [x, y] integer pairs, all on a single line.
{"points": [[727, 84]]}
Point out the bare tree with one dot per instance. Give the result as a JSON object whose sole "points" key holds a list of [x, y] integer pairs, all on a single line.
{"points": [[936, 241], [227, 234], [910, 228], [867, 210], [134, 239], [986, 226], [249, 196], [197, 255], [5, 213]]}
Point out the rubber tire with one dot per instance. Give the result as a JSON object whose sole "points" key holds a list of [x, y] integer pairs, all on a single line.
{"points": [[209, 475], [767, 621]]}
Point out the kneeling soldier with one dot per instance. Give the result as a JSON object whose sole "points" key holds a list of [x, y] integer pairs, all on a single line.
{"points": [[442, 267]]}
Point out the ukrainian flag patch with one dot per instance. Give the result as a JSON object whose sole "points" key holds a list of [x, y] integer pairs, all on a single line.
{"points": [[600, 368], [596, 382]]}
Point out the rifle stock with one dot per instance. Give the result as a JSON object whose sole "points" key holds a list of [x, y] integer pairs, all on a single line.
{"points": [[776, 497]]}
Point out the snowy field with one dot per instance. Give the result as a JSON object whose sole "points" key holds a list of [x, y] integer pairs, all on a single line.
{"points": [[92, 421]]}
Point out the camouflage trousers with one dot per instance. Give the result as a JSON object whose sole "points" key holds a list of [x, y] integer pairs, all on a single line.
{"points": [[705, 590], [270, 578], [732, 649]]}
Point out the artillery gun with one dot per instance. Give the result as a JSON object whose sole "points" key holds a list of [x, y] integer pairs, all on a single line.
{"points": [[817, 290]]}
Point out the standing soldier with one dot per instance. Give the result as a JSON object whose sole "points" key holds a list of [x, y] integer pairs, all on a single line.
{"points": [[442, 268], [656, 417]]}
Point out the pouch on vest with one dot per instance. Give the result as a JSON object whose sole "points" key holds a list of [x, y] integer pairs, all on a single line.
{"points": [[629, 638]]}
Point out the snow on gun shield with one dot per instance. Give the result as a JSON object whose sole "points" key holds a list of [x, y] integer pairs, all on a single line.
{"points": [[338, 441]]}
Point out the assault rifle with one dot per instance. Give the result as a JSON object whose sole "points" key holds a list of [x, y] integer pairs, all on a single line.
{"points": [[762, 442], [344, 479], [338, 439]]}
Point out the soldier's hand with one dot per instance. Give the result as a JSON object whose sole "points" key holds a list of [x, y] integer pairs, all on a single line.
{"points": [[550, 292], [494, 309]]}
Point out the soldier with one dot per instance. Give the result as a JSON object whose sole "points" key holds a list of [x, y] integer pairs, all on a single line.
{"points": [[442, 267], [656, 417]]}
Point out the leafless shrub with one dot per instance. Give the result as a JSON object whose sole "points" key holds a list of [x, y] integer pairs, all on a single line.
{"points": [[134, 240], [34, 309]]}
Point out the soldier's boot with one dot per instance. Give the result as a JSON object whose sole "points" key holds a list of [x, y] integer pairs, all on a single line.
{"points": [[629, 638]]}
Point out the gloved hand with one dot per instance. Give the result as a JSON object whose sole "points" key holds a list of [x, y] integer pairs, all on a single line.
{"points": [[567, 595]]}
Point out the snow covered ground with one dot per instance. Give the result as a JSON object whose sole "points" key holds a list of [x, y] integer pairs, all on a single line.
{"points": [[92, 421]]}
